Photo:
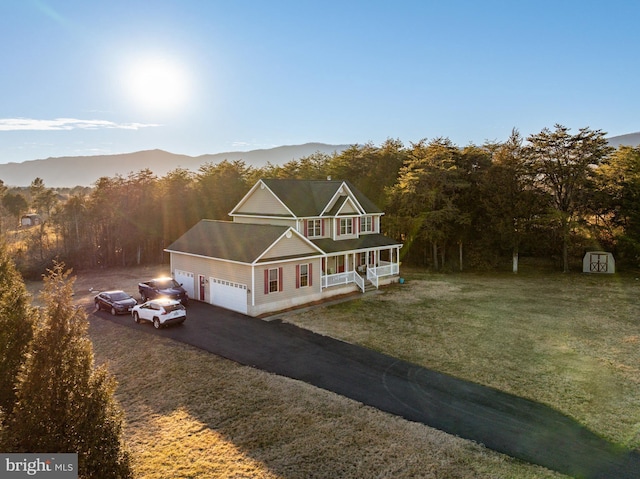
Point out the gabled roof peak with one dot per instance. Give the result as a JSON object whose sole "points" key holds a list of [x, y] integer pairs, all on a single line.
{"points": [[306, 198]]}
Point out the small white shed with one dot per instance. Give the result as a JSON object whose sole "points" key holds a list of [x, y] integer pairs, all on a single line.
{"points": [[30, 219], [598, 262]]}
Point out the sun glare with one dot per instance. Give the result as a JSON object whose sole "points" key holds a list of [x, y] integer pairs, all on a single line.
{"points": [[157, 84]]}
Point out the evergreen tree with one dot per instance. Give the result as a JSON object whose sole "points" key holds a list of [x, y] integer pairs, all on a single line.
{"points": [[563, 166], [15, 204], [617, 203], [64, 403], [510, 201], [16, 328], [425, 196]]}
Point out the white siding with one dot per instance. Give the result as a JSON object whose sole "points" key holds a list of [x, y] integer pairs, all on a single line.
{"points": [[264, 202], [289, 247], [290, 295], [348, 208]]}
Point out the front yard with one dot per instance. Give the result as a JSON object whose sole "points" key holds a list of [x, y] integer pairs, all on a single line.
{"points": [[569, 341], [191, 414]]}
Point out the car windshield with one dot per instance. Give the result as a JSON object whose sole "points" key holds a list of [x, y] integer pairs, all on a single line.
{"points": [[173, 307], [121, 296], [167, 283]]}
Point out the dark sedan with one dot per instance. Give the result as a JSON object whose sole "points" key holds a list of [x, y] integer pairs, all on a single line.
{"points": [[117, 302]]}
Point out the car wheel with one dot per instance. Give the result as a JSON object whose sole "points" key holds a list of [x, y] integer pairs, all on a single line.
{"points": [[113, 311], [136, 318], [143, 297], [97, 306], [156, 323]]}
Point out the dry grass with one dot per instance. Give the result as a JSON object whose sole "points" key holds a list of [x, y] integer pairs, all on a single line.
{"points": [[569, 341], [191, 414], [194, 415]]}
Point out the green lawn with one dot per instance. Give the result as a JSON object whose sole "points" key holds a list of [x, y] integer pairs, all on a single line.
{"points": [[571, 341]]}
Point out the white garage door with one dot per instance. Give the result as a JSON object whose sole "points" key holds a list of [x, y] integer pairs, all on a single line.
{"points": [[227, 294], [187, 281]]}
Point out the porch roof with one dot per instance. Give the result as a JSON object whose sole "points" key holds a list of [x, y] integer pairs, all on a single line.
{"points": [[369, 241]]}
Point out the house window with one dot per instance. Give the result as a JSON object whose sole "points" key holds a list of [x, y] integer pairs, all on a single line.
{"points": [[366, 224], [303, 275], [272, 280], [314, 228], [346, 226]]}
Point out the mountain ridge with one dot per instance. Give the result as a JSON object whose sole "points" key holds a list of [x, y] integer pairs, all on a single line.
{"points": [[70, 171], [630, 139]]}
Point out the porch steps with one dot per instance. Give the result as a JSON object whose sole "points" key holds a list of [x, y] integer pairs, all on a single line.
{"points": [[368, 286]]}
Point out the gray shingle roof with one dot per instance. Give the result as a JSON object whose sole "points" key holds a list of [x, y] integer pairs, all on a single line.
{"points": [[364, 242], [307, 198], [245, 243], [227, 240]]}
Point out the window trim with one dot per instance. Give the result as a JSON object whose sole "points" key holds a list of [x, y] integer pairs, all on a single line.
{"points": [[268, 282], [364, 222], [346, 228], [313, 226], [308, 276]]}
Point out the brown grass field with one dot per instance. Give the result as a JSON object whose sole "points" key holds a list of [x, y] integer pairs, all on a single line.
{"points": [[570, 341]]}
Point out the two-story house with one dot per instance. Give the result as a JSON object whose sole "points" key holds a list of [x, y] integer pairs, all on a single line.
{"points": [[291, 242]]}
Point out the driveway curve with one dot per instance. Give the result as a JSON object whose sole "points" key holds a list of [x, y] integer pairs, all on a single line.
{"points": [[505, 423]]}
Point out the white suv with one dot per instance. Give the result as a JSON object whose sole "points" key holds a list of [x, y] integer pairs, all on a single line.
{"points": [[160, 311]]}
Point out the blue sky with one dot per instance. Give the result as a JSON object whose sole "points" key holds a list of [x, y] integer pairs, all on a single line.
{"points": [[88, 77]]}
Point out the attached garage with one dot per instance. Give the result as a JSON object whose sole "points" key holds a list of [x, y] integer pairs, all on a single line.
{"points": [[222, 262], [186, 279], [229, 295]]}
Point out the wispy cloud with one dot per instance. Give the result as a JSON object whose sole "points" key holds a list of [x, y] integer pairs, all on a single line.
{"points": [[26, 124]]}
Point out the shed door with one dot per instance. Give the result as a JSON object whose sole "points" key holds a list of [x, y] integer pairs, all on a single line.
{"points": [[598, 262], [187, 280], [228, 294]]}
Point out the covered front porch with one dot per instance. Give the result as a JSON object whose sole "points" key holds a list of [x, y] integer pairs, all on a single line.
{"points": [[374, 266]]}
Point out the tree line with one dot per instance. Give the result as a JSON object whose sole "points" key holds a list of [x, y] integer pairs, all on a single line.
{"points": [[554, 194]]}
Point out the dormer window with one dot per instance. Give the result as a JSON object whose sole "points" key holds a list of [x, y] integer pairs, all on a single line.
{"points": [[346, 226]]}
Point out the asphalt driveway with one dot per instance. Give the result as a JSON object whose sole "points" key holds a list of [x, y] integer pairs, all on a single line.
{"points": [[511, 425]]}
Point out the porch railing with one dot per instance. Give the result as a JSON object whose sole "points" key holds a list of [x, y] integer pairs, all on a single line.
{"points": [[337, 279], [383, 269], [342, 278], [373, 275]]}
